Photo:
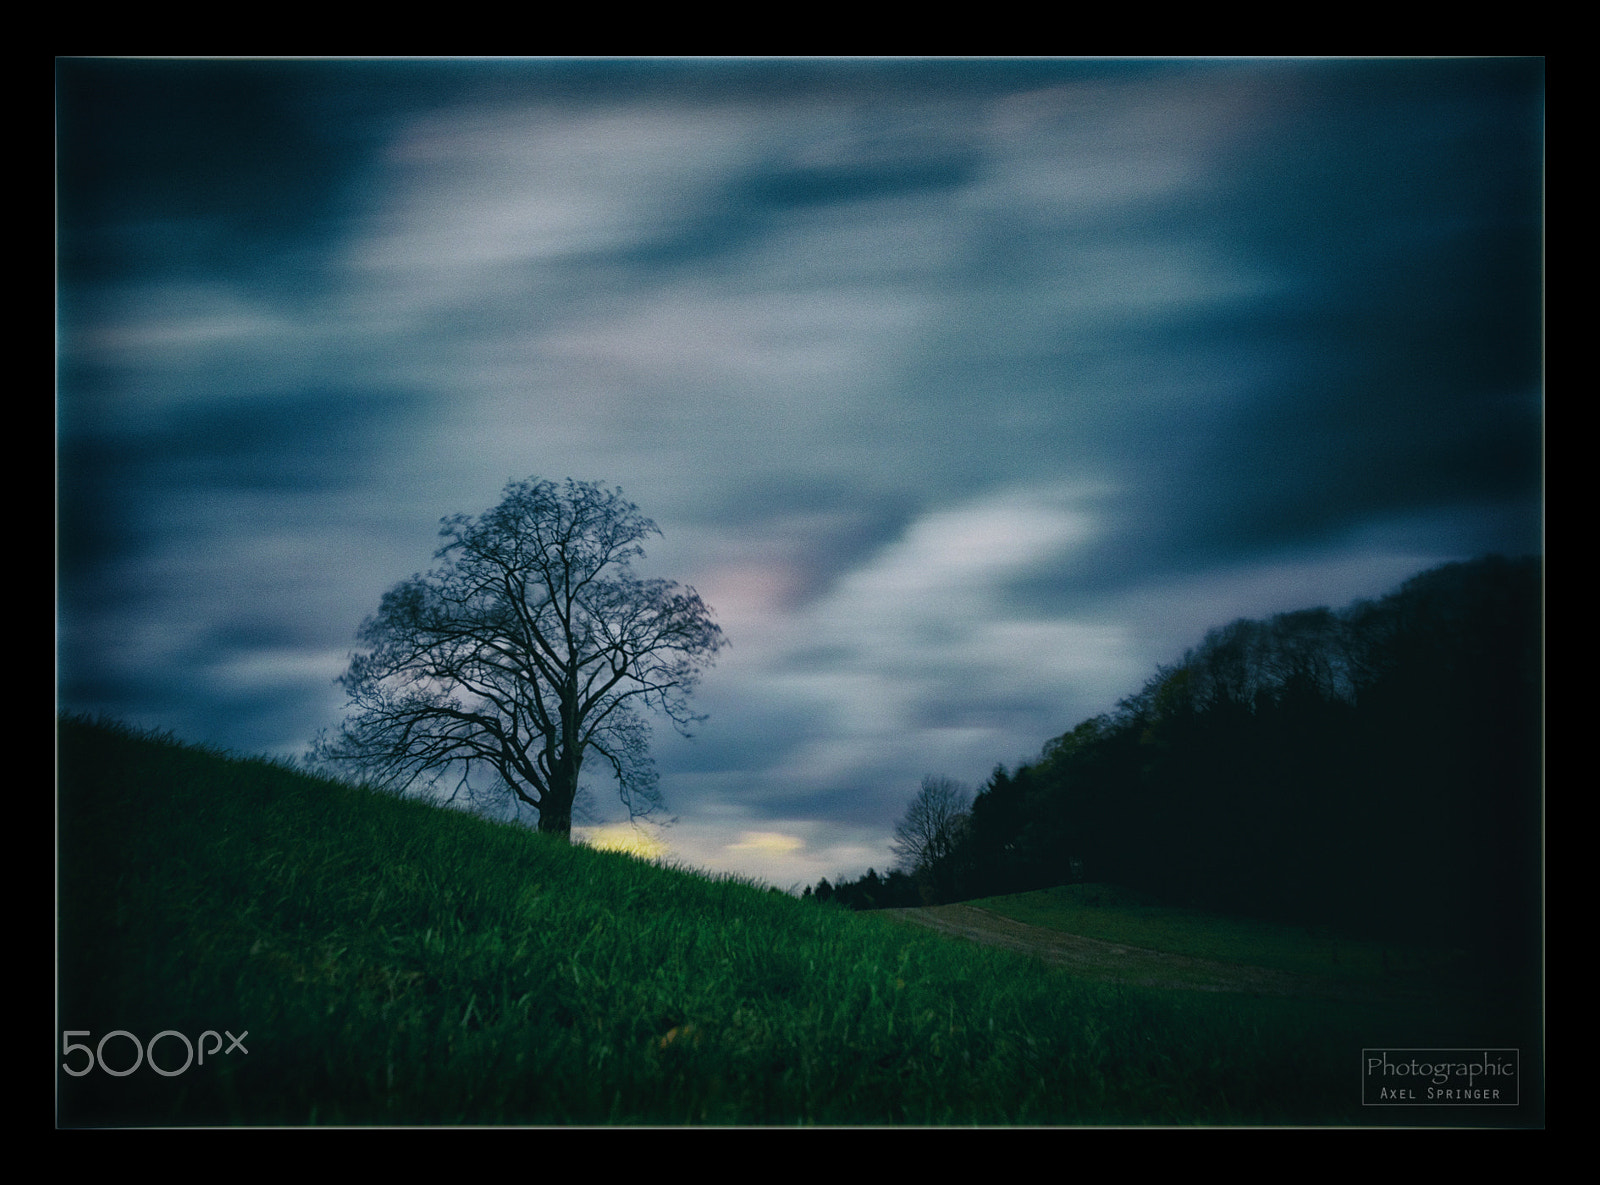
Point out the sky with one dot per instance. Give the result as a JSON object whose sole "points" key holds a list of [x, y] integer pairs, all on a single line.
{"points": [[965, 392]]}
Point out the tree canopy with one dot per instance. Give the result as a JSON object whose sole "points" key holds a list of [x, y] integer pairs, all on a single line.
{"points": [[531, 647]]}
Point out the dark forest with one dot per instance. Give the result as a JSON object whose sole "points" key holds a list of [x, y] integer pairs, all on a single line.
{"points": [[1376, 770]]}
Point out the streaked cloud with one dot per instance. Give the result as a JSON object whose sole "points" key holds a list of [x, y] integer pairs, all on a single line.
{"points": [[965, 392]]}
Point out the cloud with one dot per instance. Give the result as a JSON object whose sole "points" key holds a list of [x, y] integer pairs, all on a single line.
{"points": [[766, 841], [965, 392]]}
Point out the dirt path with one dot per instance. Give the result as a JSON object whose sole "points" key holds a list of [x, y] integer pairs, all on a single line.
{"points": [[1117, 963]]}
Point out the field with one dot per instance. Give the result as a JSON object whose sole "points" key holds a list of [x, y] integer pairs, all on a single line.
{"points": [[382, 962], [1101, 933]]}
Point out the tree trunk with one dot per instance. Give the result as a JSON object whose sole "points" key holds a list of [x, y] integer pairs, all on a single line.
{"points": [[556, 821], [555, 812]]}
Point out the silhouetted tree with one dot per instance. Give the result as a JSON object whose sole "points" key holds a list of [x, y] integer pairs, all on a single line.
{"points": [[925, 838], [899, 890], [529, 649], [928, 830], [868, 891]]}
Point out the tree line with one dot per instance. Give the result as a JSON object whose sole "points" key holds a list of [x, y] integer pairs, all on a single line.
{"points": [[1376, 769]]}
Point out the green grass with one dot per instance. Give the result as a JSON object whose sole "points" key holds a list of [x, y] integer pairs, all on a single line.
{"points": [[394, 963], [1115, 915]]}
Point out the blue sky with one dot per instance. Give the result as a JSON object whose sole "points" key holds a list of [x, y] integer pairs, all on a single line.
{"points": [[965, 392]]}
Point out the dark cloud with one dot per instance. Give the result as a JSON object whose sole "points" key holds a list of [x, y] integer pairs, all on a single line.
{"points": [[965, 391], [188, 167]]}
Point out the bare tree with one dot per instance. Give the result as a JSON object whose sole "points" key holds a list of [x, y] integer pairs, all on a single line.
{"points": [[531, 647], [932, 824]]}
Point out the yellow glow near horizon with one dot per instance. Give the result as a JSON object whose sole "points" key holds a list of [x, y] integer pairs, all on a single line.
{"points": [[772, 842], [621, 837]]}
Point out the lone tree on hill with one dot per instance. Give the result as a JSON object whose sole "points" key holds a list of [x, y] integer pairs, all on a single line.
{"points": [[530, 648]]}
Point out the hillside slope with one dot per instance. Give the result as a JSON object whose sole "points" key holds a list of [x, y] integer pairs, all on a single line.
{"points": [[241, 944]]}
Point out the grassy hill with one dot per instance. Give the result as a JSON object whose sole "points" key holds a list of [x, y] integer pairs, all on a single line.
{"points": [[381, 961]]}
